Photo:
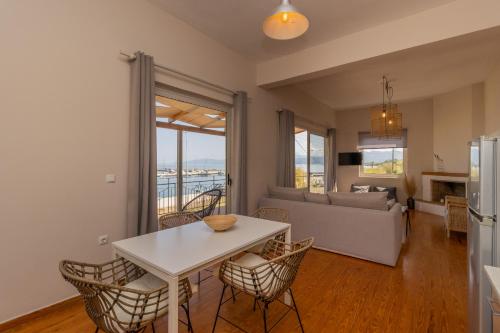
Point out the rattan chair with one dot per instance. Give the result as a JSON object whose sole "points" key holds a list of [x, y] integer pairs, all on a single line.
{"points": [[173, 220], [272, 214], [456, 214], [204, 204], [265, 277], [120, 297]]}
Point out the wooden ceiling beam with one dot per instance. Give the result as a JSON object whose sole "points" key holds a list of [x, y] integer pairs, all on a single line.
{"points": [[189, 128]]}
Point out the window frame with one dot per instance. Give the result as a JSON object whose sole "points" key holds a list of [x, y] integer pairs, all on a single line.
{"points": [[361, 174]]}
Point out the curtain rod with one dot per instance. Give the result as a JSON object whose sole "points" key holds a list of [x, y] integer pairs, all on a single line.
{"points": [[190, 77]]}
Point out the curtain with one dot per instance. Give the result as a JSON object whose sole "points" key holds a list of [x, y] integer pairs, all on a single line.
{"points": [[331, 164], [238, 153], [286, 149], [141, 190]]}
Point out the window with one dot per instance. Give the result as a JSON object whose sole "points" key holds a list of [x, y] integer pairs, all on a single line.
{"points": [[309, 161], [382, 157], [382, 162]]}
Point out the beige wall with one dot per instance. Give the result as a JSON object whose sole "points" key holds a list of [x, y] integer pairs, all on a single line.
{"points": [[417, 118], [262, 150], [64, 101], [458, 118], [492, 102]]}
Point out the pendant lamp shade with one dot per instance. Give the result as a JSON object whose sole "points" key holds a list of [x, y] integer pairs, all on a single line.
{"points": [[285, 23]]}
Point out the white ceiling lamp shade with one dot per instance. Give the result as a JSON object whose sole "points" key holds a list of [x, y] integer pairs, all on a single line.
{"points": [[285, 23]]}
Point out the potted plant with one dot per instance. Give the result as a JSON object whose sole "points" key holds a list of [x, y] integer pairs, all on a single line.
{"points": [[411, 189]]}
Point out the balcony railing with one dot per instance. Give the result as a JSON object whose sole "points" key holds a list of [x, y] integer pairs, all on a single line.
{"points": [[317, 182], [167, 192]]}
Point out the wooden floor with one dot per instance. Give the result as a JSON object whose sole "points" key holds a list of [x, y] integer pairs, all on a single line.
{"points": [[426, 292]]}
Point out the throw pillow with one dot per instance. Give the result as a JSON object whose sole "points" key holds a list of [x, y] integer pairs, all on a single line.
{"points": [[391, 191], [360, 188], [286, 193], [390, 203]]}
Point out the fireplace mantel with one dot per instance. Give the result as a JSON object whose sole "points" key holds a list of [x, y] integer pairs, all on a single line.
{"points": [[445, 174]]}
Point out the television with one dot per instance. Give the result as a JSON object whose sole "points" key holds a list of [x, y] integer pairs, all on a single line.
{"points": [[354, 158]]}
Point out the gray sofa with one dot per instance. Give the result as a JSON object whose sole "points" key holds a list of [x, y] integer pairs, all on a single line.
{"points": [[369, 234]]}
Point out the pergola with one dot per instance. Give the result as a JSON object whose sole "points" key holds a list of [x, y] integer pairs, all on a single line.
{"points": [[177, 115]]}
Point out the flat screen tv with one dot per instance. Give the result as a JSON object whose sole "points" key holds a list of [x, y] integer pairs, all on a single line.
{"points": [[354, 158]]}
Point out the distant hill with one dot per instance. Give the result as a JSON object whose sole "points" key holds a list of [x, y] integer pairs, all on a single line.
{"points": [[301, 159], [381, 156], [205, 163]]}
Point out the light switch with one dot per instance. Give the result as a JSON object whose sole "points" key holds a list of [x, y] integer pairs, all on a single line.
{"points": [[110, 179]]}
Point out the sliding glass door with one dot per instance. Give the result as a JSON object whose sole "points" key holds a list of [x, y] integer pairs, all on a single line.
{"points": [[309, 161], [191, 148]]}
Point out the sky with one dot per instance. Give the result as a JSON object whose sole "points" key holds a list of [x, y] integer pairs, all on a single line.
{"points": [[196, 146]]}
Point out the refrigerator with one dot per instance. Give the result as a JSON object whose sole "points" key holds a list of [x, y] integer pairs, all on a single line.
{"points": [[482, 231]]}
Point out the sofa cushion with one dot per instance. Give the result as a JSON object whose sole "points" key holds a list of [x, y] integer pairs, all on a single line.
{"points": [[370, 200], [391, 191], [360, 188], [286, 193], [317, 198]]}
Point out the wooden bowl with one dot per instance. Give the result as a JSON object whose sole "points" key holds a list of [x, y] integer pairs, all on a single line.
{"points": [[220, 222]]}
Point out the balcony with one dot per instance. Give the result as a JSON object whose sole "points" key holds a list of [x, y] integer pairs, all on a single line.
{"points": [[316, 180], [167, 193]]}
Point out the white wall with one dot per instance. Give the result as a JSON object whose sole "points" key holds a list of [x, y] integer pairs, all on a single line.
{"points": [[458, 118], [492, 102], [64, 101], [417, 118]]}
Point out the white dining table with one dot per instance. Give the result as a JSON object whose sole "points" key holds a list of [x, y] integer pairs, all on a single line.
{"points": [[176, 253]]}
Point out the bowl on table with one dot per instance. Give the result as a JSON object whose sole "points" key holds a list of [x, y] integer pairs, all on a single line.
{"points": [[220, 222]]}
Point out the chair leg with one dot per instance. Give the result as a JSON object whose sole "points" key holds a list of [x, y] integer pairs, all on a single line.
{"points": [[153, 327], [254, 304], [234, 296], [220, 304], [296, 310], [96, 329], [188, 315], [264, 316]]}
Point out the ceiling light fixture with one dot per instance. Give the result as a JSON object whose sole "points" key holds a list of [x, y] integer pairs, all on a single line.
{"points": [[285, 23], [386, 118]]}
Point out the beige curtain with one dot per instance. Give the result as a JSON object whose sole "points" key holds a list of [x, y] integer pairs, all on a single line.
{"points": [[238, 153], [286, 149], [331, 164], [141, 189]]}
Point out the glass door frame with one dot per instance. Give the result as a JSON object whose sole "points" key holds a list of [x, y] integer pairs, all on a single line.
{"points": [[308, 152], [195, 99]]}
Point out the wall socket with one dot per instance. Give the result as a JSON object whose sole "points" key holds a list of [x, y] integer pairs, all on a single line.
{"points": [[102, 240]]}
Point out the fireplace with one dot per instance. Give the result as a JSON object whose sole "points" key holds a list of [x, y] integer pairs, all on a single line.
{"points": [[442, 188], [437, 185]]}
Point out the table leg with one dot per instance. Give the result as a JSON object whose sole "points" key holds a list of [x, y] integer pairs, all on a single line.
{"points": [[173, 305], [288, 239], [406, 223], [408, 218]]}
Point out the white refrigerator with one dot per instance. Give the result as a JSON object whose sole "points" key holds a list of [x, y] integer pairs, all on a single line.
{"points": [[482, 230]]}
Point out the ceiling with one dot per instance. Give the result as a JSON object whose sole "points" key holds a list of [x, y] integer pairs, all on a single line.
{"points": [[418, 73], [237, 23]]}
